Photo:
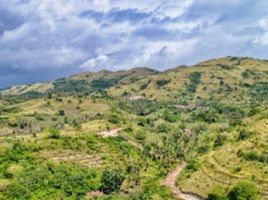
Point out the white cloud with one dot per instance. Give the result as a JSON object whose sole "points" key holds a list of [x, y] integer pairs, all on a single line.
{"points": [[173, 9], [262, 39], [54, 35], [16, 34], [95, 62]]}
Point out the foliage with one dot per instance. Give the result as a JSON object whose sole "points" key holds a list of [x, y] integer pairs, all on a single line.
{"points": [[217, 193], [102, 84], [195, 80], [111, 181], [161, 83], [243, 190], [209, 116], [220, 139], [54, 133], [47, 179], [61, 112], [253, 156], [170, 117], [258, 91], [113, 118], [71, 86], [140, 136], [243, 134], [162, 128], [192, 165], [141, 107]]}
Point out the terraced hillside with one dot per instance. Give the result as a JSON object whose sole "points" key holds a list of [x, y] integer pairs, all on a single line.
{"points": [[117, 135], [243, 157]]}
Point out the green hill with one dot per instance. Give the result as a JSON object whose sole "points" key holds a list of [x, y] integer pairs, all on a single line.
{"points": [[116, 135], [83, 82]]}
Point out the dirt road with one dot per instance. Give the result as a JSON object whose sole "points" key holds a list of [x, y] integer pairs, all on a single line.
{"points": [[110, 133], [170, 182]]}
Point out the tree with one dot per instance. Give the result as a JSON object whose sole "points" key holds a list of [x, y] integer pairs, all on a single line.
{"points": [[111, 181], [243, 190]]}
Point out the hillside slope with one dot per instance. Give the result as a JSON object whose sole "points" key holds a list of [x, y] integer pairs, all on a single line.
{"points": [[69, 139], [83, 82]]}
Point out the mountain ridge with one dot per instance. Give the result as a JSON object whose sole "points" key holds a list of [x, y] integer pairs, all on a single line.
{"points": [[136, 73]]}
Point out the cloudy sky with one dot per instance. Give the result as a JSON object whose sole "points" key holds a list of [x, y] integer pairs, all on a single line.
{"points": [[45, 39]]}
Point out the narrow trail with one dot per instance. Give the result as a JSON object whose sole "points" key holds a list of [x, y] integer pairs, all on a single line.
{"points": [[170, 182], [110, 133]]}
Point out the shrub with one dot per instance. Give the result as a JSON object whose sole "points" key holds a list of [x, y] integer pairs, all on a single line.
{"points": [[217, 193], [243, 134], [161, 83], [220, 139], [209, 116], [111, 181], [140, 136], [144, 86], [195, 80], [103, 83], [23, 125], [170, 117], [243, 190], [54, 133], [162, 128], [114, 118], [141, 122], [18, 191], [192, 165], [203, 148], [76, 124], [253, 156], [61, 112]]}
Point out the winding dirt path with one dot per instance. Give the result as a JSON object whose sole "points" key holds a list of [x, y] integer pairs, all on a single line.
{"points": [[170, 182], [110, 133]]}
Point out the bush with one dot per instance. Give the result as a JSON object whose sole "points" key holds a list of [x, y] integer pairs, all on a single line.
{"points": [[76, 124], [54, 133], [61, 112], [162, 128], [192, 165], [203, 149], [140, 136], [68, 180], [253, 156], [103, 83], [114, 118], [243, 190], [243, 134], [209, 116], [217, 193], [195, 80], [170, 117], [141, 122], [161, 83], [220, 139], [111, 181], [17, 191]]}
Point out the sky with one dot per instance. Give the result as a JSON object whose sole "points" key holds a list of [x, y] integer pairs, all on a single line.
{"points": [[41, 40]]}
